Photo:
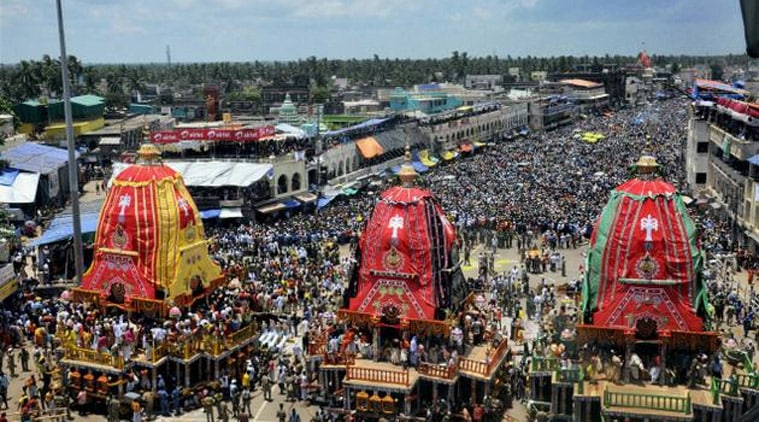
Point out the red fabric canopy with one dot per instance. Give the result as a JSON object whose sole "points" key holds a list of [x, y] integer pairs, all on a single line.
{"points": [[644, 260], [396, 276], [749, 109]]}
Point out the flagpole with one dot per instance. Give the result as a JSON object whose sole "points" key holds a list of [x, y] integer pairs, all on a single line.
{"points": [[73, 167]]}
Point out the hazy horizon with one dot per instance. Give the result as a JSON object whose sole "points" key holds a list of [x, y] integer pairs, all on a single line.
{"points": [[138, 31]]}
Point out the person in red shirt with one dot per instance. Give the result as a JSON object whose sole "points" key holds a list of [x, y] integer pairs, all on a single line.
{"points": [[477, 413]]}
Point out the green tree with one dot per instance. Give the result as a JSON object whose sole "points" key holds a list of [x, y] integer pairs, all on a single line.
{"points": [[717, 71], [319, 94]]}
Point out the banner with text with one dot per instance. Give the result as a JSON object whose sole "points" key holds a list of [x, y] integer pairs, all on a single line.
{"points": [[212, 135]]}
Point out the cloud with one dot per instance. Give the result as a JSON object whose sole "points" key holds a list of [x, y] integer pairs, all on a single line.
{"points": [[327, 9], [13, 10]]}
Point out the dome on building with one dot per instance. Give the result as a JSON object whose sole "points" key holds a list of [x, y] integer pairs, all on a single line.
{"points": [[408, 265], [150, 244], [288, 113], [644, 263]]}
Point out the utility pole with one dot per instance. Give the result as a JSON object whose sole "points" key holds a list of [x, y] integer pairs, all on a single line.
{"points": [[71, 142]]}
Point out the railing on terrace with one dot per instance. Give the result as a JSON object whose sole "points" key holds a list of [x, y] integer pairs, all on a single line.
{"points": [[473, 366], [544, 364], [93, 356], [726, 386], [377, 375], [648, 401], [747, 381], [491, 363], [158, 352], [438, 371], [242, 335]]}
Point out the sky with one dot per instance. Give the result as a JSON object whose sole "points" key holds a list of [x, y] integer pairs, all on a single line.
{"points": [[138, 31]]}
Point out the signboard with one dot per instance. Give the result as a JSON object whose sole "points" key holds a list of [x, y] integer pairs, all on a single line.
{"points": [[212, 135], [8, 281]]}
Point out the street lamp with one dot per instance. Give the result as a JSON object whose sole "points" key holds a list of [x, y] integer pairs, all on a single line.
{"points": [[71, 143]]}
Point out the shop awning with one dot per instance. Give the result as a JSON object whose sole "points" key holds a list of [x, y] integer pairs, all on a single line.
{"points": [[754, 159], [213, 173], [235, 212], [467, 147], [271, 208], [424, 157], [450, 155], [369, 147], [419, 166], [18, 187], [324, 201], [479, 144], [62, 228], [110, 140], [291, 203], [208, 214], [305, 197]]}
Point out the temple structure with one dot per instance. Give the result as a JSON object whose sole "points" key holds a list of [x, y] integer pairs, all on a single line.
{"points": [[288, 112], [150, 263], [150, 247], [643, 275], [643, 345], [407, 294]]}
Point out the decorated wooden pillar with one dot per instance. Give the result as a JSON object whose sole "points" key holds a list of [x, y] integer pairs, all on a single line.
{"points": [[663, 375], [347, 398], [434, 392], [187, 374], [474, 391], [629, 341], [377, 346], [153, 378], [216, 372]]}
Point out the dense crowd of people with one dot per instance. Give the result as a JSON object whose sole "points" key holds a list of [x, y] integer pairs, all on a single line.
{"points": [[540, 194]]}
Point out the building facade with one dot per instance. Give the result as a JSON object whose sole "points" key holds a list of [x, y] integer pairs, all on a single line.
{"points": [[732, 172], [448, 132]]}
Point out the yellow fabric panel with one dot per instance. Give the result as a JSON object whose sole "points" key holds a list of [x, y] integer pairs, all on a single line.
{"points": [[192, 257], [194, 262], [369, 147], [424, 157], [168, 219]]}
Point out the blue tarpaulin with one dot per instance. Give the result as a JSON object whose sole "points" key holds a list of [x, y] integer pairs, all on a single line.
{"points": [[419, 167], [36, 158], [291, 203], [754, 160], [362, 125], [208, 214], [324, 201], [62, 228], [7, 177]]}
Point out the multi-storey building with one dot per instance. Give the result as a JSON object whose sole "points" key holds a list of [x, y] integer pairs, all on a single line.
{"points": [[730, 130], [483, 122]]}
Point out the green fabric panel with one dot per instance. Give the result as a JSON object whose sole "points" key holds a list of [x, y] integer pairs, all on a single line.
{"points": [[594, 263], [700, 298]]}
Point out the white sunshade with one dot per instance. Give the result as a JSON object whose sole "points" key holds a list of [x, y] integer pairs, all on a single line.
{"points": [[22, 191], [234, 212], [213, 173]]}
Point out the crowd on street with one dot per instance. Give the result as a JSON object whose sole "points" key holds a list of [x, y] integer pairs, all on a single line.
{"points": [[539, 194]]}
